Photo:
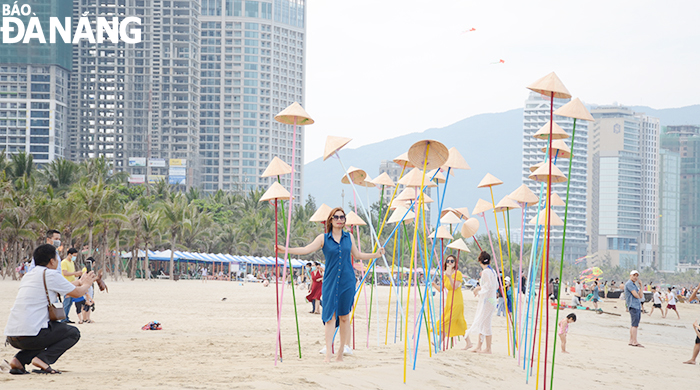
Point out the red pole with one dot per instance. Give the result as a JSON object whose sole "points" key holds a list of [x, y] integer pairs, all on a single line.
{"points": [[549, 233], [277, 286]]}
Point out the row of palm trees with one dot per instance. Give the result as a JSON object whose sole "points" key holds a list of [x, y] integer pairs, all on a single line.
{"points": [[92, 205]]}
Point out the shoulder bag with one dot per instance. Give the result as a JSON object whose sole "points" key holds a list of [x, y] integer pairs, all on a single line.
{"points": [[55, 313]]}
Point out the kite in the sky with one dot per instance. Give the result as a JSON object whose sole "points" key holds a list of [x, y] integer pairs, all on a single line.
{"points": [[471, 29], [499, 62]]}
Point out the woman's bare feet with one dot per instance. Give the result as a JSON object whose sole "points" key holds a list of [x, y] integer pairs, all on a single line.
{"points": [[485, 352], [339, 358], [327, 359], [689, 362]]}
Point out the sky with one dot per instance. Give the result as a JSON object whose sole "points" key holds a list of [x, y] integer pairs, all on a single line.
{"points": [[377, 69]]}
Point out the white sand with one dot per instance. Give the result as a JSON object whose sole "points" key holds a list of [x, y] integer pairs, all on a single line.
{"points": [[207, 343]]}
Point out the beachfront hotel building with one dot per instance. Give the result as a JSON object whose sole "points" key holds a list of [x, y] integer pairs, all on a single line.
{"points": [[253, 62], [34, 91], [137, 105], [669, 210], [535, 116], [624, 187]]}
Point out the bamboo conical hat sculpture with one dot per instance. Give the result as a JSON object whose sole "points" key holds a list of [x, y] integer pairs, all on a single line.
{"points": [[276, 167], [295, 110], [575, 109], [357, 176], [542, 173], [409, 194], [556, 200], [488, 181], [399, 213], [442, 233], [450, 219], [447, 210], [437, 154], [481, 207], [462, 212], [321, 215], [367, 182], [435, 175], [352, 219], [414, 178], [276, 191], [470, 227], [334, 144], [400, 203], [539, 164], [559, 149], [548, 84], [506, 204], [524, 195], [555, 221], [459, 245], [455, 160], [403, 160], [384, 180], [557, 132]]}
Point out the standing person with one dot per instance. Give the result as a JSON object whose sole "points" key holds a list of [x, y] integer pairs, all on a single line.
{"points": [[605, 289], [453, 322], [555, 289], [657, 302], [500, 302], [40, 341], [671, 305], [204, 274], [564, 329], [596, 294], [68, 271], [53, 237], [488, 284], [576, 301], [633, 296], [339, 289], [316, 288]]}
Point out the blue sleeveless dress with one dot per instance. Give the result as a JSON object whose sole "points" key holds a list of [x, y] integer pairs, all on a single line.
{"points": [[339, 277]]}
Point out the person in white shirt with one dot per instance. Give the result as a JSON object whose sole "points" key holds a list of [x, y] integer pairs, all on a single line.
{"points": [[53, 237], [657, 303], [40, 341], [671, 305]]}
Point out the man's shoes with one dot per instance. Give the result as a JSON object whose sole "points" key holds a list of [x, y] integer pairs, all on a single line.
{"points": [[69, 322]]}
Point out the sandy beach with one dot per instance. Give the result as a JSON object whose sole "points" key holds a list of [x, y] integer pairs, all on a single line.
{"points": [[210, 343]]}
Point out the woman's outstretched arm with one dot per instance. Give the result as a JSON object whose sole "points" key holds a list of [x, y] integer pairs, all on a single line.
{"points": [[364, 256], [315, 245]]}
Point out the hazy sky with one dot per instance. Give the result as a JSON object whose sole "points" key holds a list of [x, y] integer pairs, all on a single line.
{"points": [[377, 69]]}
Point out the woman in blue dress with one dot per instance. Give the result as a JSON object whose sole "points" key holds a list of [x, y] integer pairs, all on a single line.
{"points": [[339, 277]]}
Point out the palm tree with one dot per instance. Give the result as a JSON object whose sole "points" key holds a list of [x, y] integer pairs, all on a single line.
{"points": [[60, 174], [175, 217], [21, 165], [150, 233]]}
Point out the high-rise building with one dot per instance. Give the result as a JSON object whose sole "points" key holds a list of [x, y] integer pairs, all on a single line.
{"points": [[34, 90], [253, 59], [535, 116], [138, 104], [623, 187], [685, 141], [669, 210]]}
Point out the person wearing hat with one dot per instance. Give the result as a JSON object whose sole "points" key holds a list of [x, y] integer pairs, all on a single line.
{"points": [[633, 297]]}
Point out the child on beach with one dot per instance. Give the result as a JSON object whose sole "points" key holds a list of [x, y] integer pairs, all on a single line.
{"points": [[564, 329]]}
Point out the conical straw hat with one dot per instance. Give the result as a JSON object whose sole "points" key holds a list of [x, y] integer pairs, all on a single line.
{"points": [[276, 191], [539, 164], [436, 176], [459, 245], [276, 167], [524, 195], [384, 180], [447, 210], [556, 221], [321, 215], [455, 160], [414, 178], [294, 111], [353, 219], [506, 204], [442, 233], [555, 199], [575, 109], [462, 212], [450, 219], [357, 176], [367, 182], [403, 159], [470, 227], [482, 206], [334, 144], [542, 173], [488, 181], [400, 203], [548, 84], [559, 149], [437, 154], [406, 194], [399, 213], [557, 132]]}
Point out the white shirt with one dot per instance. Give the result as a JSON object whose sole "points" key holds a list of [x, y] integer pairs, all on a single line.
{"points": [[30, 313], [671, 298], [657, 298]]}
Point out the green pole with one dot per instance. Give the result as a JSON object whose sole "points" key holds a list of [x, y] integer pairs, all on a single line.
{"points": [[561, 263], [374, 274]]}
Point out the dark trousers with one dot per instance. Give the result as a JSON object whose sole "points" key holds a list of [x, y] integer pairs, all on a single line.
{"points": [[48, 345]]}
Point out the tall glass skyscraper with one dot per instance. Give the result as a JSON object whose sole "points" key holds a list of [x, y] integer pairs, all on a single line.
{"points": [[253, 66], [536, 115]]}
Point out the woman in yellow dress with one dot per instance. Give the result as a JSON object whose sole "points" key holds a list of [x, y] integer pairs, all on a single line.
{"points": [[453, 322]]}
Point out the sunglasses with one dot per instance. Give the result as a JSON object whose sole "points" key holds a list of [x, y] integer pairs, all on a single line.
{"points": [[450, 261], [339, 217]]}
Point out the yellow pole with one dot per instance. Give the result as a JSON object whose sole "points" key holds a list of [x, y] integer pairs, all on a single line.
{"points": [[503, 272], [391, 275]]}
